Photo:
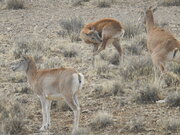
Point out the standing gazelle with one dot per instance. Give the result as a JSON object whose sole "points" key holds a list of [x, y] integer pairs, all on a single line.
{"points": [[52, 84], [102, 33], [162, 45]]}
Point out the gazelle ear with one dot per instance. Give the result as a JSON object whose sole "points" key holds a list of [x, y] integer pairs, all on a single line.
{"points": [[25, 57], [154, 9]]}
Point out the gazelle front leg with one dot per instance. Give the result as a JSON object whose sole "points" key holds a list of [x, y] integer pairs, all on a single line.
{"points": [[95, 48], [48, 108], [103, 46], [44, 113]]}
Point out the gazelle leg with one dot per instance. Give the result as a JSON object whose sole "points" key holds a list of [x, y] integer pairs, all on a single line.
{"points": [[118, 48], [44, 114], [103, 46], [73, 103], [95, 48], [48, 108]]}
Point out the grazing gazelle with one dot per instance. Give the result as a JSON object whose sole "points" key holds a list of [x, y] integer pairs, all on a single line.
{"points": [[101, 33], [52, 84], [162, 45]]}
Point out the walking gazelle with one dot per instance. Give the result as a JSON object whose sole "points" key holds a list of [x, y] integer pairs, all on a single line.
{"points": [[52, 84]]}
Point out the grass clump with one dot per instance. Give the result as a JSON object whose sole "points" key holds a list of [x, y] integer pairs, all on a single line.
{"points": [[135, 67], [101, 120], [170, 2], [12, 122], [33, 47], [172, 125], [72, 27], [173, 100], [137, 125], [137, 45], [15, 4], [131, 28], [147, 95]]}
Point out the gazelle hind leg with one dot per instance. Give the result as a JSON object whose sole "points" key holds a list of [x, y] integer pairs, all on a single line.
{"points": [[116, 44], [73, 103]]}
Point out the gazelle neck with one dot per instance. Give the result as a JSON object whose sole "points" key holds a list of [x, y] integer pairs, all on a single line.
{"points": [[149, 22], [31, 72]]}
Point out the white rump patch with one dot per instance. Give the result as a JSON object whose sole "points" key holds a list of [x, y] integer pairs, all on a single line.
{"points": [[77, 84]]}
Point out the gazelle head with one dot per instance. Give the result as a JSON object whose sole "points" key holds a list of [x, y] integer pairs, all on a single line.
{"points": [[145, 14], [21, 64], [93, 36]]}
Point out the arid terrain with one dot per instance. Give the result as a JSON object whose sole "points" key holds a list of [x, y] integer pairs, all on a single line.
{"points": [[117, 99]]}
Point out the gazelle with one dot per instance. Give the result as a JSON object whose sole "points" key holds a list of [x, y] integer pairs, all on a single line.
{"points": [[52, 84], [101, 33], [162, 45]]}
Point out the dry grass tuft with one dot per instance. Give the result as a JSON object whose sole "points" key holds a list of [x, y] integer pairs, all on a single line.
{"points": [[102, 119], [11, 118], [15, 4], [170, 2], [137, 125], [131, 28], [83, 131], [103, 3], [137, 45], [147, 94], [72, 27], [79, 2], [172, 125], [114, 59], [173, 100], [135, 67], [33, 47]]}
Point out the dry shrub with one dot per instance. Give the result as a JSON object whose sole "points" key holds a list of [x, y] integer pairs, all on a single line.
{"points": [[72, 27], [82, 131], [101, 120], [170, 2], [173, 99], [13, 120], [136, 66], [114, 59], [79, 2], [15, 4], [131, 28], [147, 94], [32, 47], [137, 45], [137, 125], [172, 125], [103, 3], [102, 69], [63, 106], [52, 62]]}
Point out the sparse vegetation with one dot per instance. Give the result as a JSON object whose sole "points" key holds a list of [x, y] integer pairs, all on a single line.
{"points": [[137, 125], [173, 99], [32, 47], [137, 45], [136, 66], [72, 27], [147, 94], [170, 3], [131, 28], [103, 3], [172, 125], [12, 122], [15, 4], [101, 120]]}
